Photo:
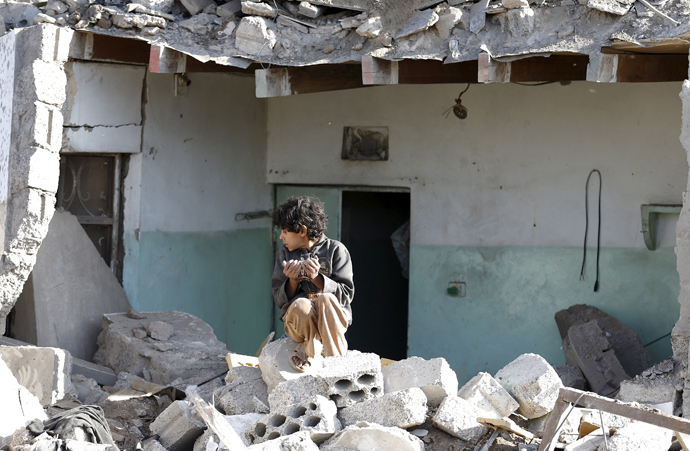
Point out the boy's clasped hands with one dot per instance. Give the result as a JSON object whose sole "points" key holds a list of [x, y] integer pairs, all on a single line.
{"points": [[302, 269]]}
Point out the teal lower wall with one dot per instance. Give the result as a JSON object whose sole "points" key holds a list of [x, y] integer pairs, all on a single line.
{"points": [[222, 277], [514, 292]]}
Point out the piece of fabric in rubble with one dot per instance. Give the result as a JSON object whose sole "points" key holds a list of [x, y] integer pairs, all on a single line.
{"points": [[90, 418]]}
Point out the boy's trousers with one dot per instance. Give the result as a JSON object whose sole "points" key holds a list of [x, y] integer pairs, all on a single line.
{"points": [[322, 318]]}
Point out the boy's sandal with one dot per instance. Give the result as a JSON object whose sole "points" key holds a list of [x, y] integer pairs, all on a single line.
{"points": [[304, 361]]}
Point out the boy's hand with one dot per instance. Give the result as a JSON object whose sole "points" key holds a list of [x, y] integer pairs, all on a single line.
{"points": [[291, 269], [311, 267]]}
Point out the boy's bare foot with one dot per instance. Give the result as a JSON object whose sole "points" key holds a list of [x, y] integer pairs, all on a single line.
{"points": [[299, 359]]}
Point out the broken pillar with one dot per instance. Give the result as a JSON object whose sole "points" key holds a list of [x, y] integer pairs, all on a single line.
{"points": [[45, 372], [315, 415], [70, 288], [490, 398], [625, 342], [403, 409], [191, 350], [371, 436], [587, 347], [19, 406], [435, 377], [458, 417], [178, 426], [532, 382]]}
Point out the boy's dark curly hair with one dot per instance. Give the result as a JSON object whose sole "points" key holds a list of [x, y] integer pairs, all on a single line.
{"points": [[301, 211]]}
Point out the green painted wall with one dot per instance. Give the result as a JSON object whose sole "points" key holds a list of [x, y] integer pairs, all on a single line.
{"points": [[221, 277], [514, 292]]}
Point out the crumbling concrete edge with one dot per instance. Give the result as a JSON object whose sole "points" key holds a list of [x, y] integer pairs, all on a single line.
{"points": [[34, 161]]}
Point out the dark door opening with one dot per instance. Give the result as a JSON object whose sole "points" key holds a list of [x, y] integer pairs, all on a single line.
{"points": [[381, 292]]}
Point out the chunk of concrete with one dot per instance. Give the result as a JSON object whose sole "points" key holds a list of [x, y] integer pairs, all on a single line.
{"points": [[178, 426], [316, 415], [352, 378], [365, 436], [587, 443], [153, 445], [447, 20], [83, 385], [591, 420], [18, 14], [420, 21], [434, 377], [569, 430], [229, 9], [192, 350], [295, 390], [309, 10], [196, 6], [532, 382], [237, 397], [298, 441], [254, 36], [403, 409], [638, 435], [242, 374], [571, 376], [160, 330], [45, 372], [587, 347], [458, 417], [625, 342], [258, 9], [208, 441], [371, 28], [490, 398], [657, 385], [275, 364], [70, 288], [19, 406]]}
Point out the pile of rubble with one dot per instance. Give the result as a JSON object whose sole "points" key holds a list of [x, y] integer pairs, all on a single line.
{"points": [[178, 389]]}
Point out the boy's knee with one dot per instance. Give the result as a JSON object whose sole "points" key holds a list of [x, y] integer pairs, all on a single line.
{"points": [[300, 307]]}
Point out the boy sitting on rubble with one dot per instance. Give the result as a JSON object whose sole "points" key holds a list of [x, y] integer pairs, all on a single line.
{"points": [[312, 281]]}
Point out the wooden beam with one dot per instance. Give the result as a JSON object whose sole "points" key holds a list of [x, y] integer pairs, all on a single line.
{"points": [[638, 68], [377, 71], [491, 71], [164, 60]]}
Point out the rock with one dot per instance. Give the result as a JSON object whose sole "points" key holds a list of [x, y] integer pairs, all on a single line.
{"points": [[309, 10], [520, 21], [447, 21], [403, 409], [315, 415], [371, 28], [458, 417], [638, 435], [140, 21], [571, 376], [274, 358], [83, 385], [229, 9], [258, 9], [254, 37], [298, 441], [242, 374], [139, 333], [195, 6], [104, 23], [45, 372], [488, 396], [160, 330], [57, 6], [589, 442], [237, 397], [369, 436], [421, 21], [565, 32], [43, 18], [434, 377], [19, 406], [532, 382], [191, 350], [178, 426]]}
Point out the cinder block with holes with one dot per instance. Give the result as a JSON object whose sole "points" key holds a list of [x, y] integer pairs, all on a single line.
{"points": [[352, 378], [316, 416], [403, 409]]}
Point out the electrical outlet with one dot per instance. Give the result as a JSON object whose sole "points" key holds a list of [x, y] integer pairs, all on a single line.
{"points": [[456, 289]]}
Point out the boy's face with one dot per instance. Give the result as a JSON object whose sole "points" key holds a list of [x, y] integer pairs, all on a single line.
{"points": [[293, 240]]}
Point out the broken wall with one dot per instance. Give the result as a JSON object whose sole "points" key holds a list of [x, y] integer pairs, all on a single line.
{"points": [[497, 202], [203, 162]]}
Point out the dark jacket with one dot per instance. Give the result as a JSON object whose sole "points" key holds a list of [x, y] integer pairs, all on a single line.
{"points": [[336, 268]]}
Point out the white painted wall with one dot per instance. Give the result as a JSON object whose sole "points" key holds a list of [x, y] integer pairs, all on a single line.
{"points": [[7, 67], [204, 155], [513, 173]]}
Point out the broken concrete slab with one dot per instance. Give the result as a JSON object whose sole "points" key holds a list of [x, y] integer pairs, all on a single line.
{"points": [[294, 390], [258, 9], [73, 287], [178, 426], [19, 406], [434, 377], [458, 417], [242, 374], [365, 436], [237, 397], [45, 372], [316, 415], [639, 435], [254, 36], [588, 348], [532, 382], [275, 365], [625, 342], [490, 398], [192, 350], [421, 21], [619, 7], [657, 385], [403, 409], [571, 376]]}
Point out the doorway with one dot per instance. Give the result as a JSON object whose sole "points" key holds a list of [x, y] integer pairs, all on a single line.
{"points": [[381, 291]]}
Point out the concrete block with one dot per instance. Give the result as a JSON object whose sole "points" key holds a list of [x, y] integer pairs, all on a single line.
{"points": [[258, 9], [638, 435], [41, 126], [490, 398], [403, 409], [42, 81], [591, 420], [237, 397], [434, 377], [196, 6], [275, 365], [625, 342], [588, 348], [657, 385], [532, 382], [365, 436], [568, 432], [458, 417], [19, 406], [101, 374], [371, 28], [587, 443], [420, 21], [18, 14], [45, 372], [295, 390], [242, 374], [316, 415], [298, 441], [352, 378], [229, 9], [178, 426], [127, 138], [35, 167], [68, 254], [571, 376], [193, 349], [254, 36], [309, 10]]}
